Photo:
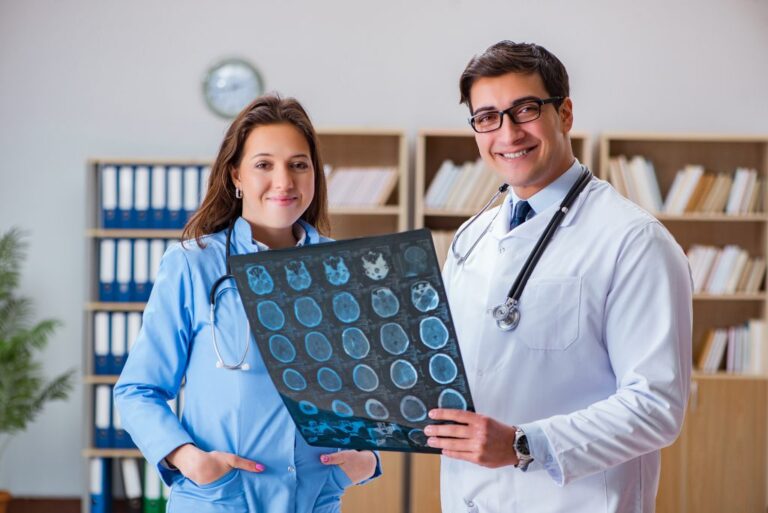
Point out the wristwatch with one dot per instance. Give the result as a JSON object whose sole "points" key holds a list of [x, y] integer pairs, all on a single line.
{"points": [[524, 457]]}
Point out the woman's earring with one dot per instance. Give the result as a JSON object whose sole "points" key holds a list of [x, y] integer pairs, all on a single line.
{"points": [[238, 193]]}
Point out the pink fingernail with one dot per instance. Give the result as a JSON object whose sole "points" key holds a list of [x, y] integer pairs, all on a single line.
{"points": [[324, 458], [259, 467]]}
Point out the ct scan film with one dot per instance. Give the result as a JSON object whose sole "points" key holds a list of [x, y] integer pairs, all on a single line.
{"points": [[357, 337]]}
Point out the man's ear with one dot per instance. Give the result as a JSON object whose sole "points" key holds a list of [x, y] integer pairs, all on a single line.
{"points": [[566, 115]]}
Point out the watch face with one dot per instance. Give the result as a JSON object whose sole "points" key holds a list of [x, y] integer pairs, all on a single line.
{"points": [[230, 85]]}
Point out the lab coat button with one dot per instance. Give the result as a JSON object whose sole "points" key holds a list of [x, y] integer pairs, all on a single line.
{"points": [[471, 507], [291, 468]]}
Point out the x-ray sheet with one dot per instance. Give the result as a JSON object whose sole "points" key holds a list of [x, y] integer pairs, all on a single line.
{"points": [[357, 337]]}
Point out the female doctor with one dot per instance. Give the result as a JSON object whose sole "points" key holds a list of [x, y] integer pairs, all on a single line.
{"points": [[235, 447]]}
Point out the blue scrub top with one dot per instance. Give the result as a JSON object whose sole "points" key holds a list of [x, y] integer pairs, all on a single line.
{"points": [[233, 411]]}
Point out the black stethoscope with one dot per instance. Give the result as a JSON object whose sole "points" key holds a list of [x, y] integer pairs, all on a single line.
{"points": [[213, 295], [507, 315]]}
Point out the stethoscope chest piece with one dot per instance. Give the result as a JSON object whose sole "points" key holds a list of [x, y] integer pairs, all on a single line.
{"points": [[507, 315]]}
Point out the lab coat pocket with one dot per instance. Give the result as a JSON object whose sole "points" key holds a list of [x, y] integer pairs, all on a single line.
{"points": [[340, 477], [549, 315], [224, 494]]}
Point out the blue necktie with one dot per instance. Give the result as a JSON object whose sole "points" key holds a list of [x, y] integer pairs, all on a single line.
{"points": [[520, 214]]}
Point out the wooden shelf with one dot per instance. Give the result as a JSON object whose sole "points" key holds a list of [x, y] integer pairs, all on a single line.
{"points": [[100, 379], [699, 375], [100, 233], [92, 452], [694, 217], [385, 210], [741, 296], [114, 307]]}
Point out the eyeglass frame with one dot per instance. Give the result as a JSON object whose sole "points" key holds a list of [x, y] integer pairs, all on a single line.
{"points": [[509, 111]]}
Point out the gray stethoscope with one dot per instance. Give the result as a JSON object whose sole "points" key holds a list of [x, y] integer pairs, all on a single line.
{"points": [[507, 315], [212, 297]]}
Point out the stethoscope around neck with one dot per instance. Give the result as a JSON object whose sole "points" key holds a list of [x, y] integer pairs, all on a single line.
{"points": [[213, 295], [507, 314]]}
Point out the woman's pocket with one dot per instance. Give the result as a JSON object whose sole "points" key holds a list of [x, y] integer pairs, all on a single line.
{"points": [[223, 495]]}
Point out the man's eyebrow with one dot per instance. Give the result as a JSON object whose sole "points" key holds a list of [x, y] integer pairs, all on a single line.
{"points": [[518, 101]]}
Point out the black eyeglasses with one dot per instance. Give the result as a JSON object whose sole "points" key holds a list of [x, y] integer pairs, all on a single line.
{"points": [[525, 112]]}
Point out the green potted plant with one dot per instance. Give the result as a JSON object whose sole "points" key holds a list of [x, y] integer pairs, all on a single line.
{"points": [[24, 389]]}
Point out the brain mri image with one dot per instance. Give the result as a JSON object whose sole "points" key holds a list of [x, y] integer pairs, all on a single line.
{"points": [[424, 296], [394, 339], [365, 378], [307, 312], [384, 302], [403, 374], [442, 368], [294, 380], [329, 379], [415, 261], [259, 280], [450, 398], [270, 315], [345, 307], [433, 332], [375, 266], [336, 271], [376, 409], [282, 348], [355, 343], [318, 346], [297, 275], [356, 338]]}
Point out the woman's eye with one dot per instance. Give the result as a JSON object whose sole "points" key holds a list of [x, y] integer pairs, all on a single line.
{"points": [[302, 166], [263, 164]]}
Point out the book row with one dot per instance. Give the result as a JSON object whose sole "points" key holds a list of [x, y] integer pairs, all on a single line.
{"points": [[739, 349], [360, 186], [151, 497], [725, 270], [113, 335], [157, 196], [693, 190], [128, 267], [461, 187], [108, 432]]}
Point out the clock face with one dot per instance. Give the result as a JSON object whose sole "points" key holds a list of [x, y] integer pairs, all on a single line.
{"points": [[230, 85]]}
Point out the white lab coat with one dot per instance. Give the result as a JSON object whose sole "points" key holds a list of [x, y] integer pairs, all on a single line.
{"points": [[597, 372]]}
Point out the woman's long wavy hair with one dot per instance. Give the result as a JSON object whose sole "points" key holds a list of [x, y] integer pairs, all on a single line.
{"points": [[220, 206]]}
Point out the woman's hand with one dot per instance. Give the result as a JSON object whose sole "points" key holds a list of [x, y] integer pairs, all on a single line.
{"points": [[358, 465], [206, 467]]}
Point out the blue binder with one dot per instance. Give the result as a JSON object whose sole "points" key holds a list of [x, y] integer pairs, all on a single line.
{"points": [[141, 285], [107, 266], [125, 196], [102, 416], [102, 360], [159, 199], [175, 184], [117, 342], [141, 197], [124, 269], [108, 182], [101, 485]]}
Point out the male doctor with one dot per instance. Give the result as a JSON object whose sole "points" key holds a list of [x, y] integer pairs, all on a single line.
{"points": [[574, 404]]}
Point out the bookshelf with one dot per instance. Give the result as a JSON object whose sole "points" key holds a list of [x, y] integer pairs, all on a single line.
{"points": [[345, 147], [719, 461], [432, 149]]}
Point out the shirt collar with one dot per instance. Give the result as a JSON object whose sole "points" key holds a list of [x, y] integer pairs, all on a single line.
{"points": [[245, 243], [553, 193]]}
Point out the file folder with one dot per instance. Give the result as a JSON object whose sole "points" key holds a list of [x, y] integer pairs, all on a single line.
{"points": [[156, 251], [109, 217], [132, 484], [121, 439], [153, 490], [158, 205], [102, 426], [134, 326], [205, 177], [141, 197], [117, 341], [102, 363], [125, 196], [141, 283], [191, 191], [124, 264], [107, 263], [175, 218], [100, 485]]}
